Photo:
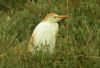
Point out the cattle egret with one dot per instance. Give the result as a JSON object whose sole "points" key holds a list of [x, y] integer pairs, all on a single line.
{"points": [[44, 35]]}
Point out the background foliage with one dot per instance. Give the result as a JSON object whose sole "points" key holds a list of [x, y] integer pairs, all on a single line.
{"points": [[78, 42]]}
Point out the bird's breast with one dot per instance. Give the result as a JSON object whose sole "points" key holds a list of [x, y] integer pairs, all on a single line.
{"points": [[45, 33]]}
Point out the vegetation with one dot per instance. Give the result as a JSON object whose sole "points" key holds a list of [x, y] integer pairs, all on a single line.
{"points": [[78, 42]]}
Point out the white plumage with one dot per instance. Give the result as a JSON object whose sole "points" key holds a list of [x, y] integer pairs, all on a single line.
{"points": [[44, 35]]}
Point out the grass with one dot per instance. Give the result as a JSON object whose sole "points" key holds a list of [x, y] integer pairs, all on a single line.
{"points": [[77, 44]]}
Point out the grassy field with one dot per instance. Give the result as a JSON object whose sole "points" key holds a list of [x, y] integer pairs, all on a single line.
{"points": [[78, 42]]}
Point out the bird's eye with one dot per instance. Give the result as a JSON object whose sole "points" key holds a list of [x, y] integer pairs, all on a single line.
{"points": [[55, 16]]}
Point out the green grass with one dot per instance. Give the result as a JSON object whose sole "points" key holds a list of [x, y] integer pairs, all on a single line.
{"points": [[78, 42]]}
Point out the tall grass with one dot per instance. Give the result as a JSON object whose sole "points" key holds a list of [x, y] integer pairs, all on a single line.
{"points": [[78, 42]]}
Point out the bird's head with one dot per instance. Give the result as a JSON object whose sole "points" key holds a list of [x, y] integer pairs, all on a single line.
{"points": [[54, 18]]}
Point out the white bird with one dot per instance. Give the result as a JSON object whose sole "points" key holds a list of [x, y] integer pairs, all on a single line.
{"points": [[44, 35]]}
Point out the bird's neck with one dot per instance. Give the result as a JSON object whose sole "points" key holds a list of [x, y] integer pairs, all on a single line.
{"points": [[50, 22]]}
